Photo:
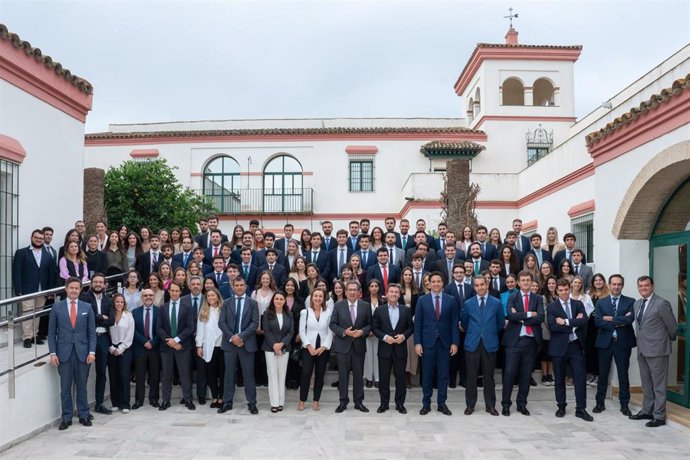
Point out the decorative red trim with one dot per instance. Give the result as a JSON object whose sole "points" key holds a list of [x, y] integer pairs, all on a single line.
{"points": [[531, 225], [647, 127], [196, 174], [361, 149], [144, 153], [482, 54], [522, 118], [259, 173], [557, 185], [496, 205], [42, 82], [11, 149], [582, 208]]}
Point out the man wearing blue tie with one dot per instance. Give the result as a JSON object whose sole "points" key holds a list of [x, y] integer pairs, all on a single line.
{"points": [[436, 339], [183, 258], [353, 240]]}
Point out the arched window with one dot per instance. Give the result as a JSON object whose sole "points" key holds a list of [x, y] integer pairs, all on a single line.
{"points": [[283, 185], [513, 92], [222, 183], [477, 103], [470, 110], [543, 92]]}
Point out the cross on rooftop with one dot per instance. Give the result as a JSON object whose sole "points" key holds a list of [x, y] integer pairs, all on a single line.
{"points": [[511, 16]]}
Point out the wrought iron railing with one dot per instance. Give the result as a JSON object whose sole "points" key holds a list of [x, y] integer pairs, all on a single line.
{"points": [[261, 201]]}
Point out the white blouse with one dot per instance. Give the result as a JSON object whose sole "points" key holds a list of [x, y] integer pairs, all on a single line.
{"points": [[122, 333], [261, 300], [208, 334], [310, 327]]}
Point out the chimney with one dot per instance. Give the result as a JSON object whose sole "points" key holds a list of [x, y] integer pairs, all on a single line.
{"points": [[512, 37]]}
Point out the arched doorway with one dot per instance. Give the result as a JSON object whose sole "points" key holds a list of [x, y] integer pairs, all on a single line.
{"points": [[283, 186]]}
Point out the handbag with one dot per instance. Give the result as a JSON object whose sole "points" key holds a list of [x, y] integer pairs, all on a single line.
{"points": [[296, 353]]}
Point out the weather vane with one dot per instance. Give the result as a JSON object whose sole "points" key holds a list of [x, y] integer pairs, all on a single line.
{"points": [[511, 16]]}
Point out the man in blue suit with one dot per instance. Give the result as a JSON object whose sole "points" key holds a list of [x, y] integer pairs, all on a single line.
{"points": [[72, 346], [183, 258], [482, 318], [489, 251], [436, 339], [614, 316], [542, 255], [319, 257], [272, 265], [385, 272], [218, 274], [145, 350], [366, 255]]}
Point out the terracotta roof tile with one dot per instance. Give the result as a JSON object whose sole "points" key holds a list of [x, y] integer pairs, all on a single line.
{"points": [[447, 148], [83, 85], [633, 114]]}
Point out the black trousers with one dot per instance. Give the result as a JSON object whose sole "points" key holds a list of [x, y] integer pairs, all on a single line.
{"points": [[351, 361], [183, 360], [215, 373], [622, 357], [260, 374], [316, 365], [119, 371], [519, 362], [148, 361], [457, 364], [487, 361], [398, 364], [575, 356], [102, 356], [199, 366]]}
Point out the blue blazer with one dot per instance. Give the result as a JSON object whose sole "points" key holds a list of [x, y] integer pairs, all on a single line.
{"points": [[519, 318], [323, 262], [622, 323], [179, 258], [26, 275], [558, 344], [62, 337], [139, 338], [371, 258], [279, 273], [482, 325], [427, 329], [374, 272]]}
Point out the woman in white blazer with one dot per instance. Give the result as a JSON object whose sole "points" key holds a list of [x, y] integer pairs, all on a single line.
{"points": [[208, 339], [120, 358], [316, 336]]}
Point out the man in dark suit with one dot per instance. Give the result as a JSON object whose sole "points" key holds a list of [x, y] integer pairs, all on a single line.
{"points": [[148, 261], [569, 239], [436, 339], [498, 282], [340, 253], [522, 243], [614, 316], [567, 320], [446, 264], [440, 242], [239, 319], [461, 291], [366, 255], [392, 325], [418, 272], [421, 227], [193, 300], [656, 329], [389, 226], [216, 247], [319, 257], [478, 264], [579, 268], [183, 258], [203, 230], [329, 241], [176, 327], [198, 257], [72, 347], [351, 324], [396, 256], [426, 249], [278, 271], [522, 339], [104, 316], [383, 270], [204, 239], [218, 273], [542, 255], [33, 270], [489, 251], [406, 240], [482, 318], [248, 271], [282, 243], [353, 237], [450, 241], [269, 243], [145, 349]]}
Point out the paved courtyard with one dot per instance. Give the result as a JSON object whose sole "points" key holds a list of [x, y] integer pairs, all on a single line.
{"points": [[202, 434]]}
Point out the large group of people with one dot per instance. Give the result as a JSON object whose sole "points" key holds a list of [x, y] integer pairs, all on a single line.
{"points": [[214, 312]]}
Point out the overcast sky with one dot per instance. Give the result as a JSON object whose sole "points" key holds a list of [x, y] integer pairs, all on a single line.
{"points": [[195, 60]]}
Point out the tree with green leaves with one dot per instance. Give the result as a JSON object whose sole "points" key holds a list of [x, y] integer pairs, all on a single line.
{"points": [[147, 193]]}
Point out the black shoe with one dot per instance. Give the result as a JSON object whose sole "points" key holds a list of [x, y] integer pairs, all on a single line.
{"points": [[655, 423], [583, 415], [368, 383], [381, 409], [452, 385], [154, 404], [376, 384], [442, 408], [532, 382], [64, 425], [226, 407], [85, 421], [599, 408], [252, 409], [240, 384], [523, 410], [424, 410], [27, 343], [182, 401], [361, 408], [164, 405], [506, 411], [641, 416], [560, 413], [335, 384], [401, 409], [625, 410], [492, 411], [103, 410], [202, 401], [190, 405], [480, 382], [90, 417], [176, 382], [341, 408], [137, 405], [469, 410], [38, 341]]}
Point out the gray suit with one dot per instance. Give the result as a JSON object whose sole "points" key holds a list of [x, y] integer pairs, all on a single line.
{"points": [[399, 256], [249, 322], [585, 272], [656, 328]]}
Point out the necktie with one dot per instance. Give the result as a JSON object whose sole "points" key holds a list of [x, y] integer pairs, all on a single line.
{"points": [[270, 268], [147, 324], [450, 267], [418, 280], [484, 249], [173, 320], [404, 242], [459, 287], [390, 255], [577, 270], [641, 313], [567, 255], [195, 304], [73, 313], [614, 302], [238, 314], [218, 276], [528, 329], [364, 259], [438, 307], [476, 267], [154, 264], [518, 243], [215, 251], [497, 284], [245, 269], [352, 314], [354, 243], [443, 244], [314, 254], [184, 260], [384, 269], [341, 260], [482, 304]]}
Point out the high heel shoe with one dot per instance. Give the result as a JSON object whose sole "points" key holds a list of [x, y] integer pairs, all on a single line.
{"points": [[315, 406], [300, 406]]}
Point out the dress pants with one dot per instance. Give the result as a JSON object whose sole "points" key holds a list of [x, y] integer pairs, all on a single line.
{"points": [[276, 368], [260, 374], [215, 373], [622, 357], [487, 361], [519, 362], [355, 362], [654, 377], [73, 372], [436, 358], [119, 373], [457, 364], [246, 360], [398, 365], [148, 360], [183, 360], [102, 356], [371, 362], [30, 327], [199, 366], [575, 356], [317, 365]]}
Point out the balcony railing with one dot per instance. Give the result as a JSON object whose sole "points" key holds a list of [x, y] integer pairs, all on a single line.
{"points": [[261, 201]]}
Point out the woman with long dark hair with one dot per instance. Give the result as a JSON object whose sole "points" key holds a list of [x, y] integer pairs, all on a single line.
{"points": [[278, 331], [120, 358], [295, 305]]}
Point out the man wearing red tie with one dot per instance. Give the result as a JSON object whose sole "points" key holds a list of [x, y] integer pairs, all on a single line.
{"points": [[383, 271]]}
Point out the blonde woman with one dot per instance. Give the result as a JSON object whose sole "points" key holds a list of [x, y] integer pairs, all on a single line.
{"points": [[551, 242], [120, 358], [317, 337], [208, 339]]}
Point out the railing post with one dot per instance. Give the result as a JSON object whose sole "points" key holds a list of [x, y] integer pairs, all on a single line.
{"points": [[10, 357]]}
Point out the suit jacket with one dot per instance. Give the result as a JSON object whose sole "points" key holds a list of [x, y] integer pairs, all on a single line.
{"points": [[333, 242], [139, 334], [274, 333], [251, 278], [441, 265], [382, 326], [482, 324], [186, 325], [353, 242], [586, 273], [223, 278], [202, 239], [560, 334], [428, 261], [179, 258], [622, 322], [545, 255], [323, 262], [519, 318], [371, 258], [399, 255], [281, 244], [62, 338], [489, 251], [375, 272], [399, 242], [466, 292], [27, 276], [106, 308], [657, 329], [208, 254], [249, 323], [427, 329], [188, 302], [261, 256], [483, 265], [143, 264], [340, 321], [525, 244], [502, 287], [560, 255]]}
